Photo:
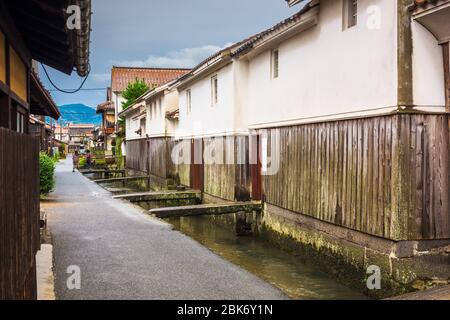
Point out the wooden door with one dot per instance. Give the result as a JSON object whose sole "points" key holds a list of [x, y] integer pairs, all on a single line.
{"points": [[256, 168], [197, 164]]}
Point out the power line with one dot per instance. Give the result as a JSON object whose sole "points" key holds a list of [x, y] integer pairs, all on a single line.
{"points": [[67, 91], [86, 89]]}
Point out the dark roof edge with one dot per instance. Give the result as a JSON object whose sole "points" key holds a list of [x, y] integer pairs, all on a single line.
{"points": [[246, 44], [81, 39]]}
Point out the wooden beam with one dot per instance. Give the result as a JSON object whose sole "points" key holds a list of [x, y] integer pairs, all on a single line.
{"points": [[126, 179], [446, 53], [154, 196], [404, 55], [13, 36], [207, 209]]}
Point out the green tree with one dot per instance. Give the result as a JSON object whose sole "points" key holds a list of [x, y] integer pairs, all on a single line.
{"points": [[133, 91]]}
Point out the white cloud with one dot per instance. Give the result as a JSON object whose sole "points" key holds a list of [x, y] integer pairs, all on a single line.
{"points": [[185, 58], [101, 77]]}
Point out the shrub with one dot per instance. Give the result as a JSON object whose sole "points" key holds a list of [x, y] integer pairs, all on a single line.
{"points": [[99, 162], [47, 174], [82, 162]]}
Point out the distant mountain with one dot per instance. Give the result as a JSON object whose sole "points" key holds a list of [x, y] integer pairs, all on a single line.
{"points": [[79, 114]]}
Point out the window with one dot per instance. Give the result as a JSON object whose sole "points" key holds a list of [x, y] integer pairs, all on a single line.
{"points": [[350, 13], [188, 101], [142, 128], [275, 64], [214, 90], [20, 125], [160, 108]]}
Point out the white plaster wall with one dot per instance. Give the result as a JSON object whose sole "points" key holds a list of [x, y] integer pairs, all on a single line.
{"points": [[428, 68], [327, 71], [156, 123], [118, 100], [171, 104], [205, 117], [132, 125], [240, 87]]}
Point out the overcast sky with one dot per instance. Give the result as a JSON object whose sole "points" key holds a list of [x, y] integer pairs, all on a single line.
{"points": [[163, 33]]}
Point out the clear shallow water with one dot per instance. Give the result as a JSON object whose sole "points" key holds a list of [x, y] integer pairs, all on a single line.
{"points": [[295, 278], [289, 273]]}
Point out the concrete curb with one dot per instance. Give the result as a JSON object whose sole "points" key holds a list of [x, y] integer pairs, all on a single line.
{"points": [[45, 277]]}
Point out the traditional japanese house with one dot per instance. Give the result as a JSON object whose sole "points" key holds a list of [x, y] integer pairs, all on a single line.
{"points": [[107, 129], [121, 77], [349, 103], [151, 124], [29, 29], [43, 131]]}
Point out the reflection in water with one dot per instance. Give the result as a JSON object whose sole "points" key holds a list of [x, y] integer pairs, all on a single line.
{"points": [[283, 270]]}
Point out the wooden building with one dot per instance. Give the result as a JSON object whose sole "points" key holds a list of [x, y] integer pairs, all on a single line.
{"points": [[338, 119], [151, 124], [29, 30], [107, 129], [121, 77]]}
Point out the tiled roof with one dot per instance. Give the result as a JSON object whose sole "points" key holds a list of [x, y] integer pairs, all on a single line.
{"points": [[121, 77], [105, 106], [81, 126], [425, 3], [45, 104], [278, 27], [293, 2]]}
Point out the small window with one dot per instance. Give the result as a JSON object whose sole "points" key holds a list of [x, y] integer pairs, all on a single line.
{"points": [[275, 64], [214, 90], [160, 108], [350, 13], [142, 128], [20, 124], [188, 101]]}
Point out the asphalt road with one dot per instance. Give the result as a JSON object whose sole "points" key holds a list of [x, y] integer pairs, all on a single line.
{"points": [[122, 253]]}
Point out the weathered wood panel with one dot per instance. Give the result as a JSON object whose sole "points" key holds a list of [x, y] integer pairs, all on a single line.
{"points": [[243, 178], [159, 157], [182, 155], [19, 215], [219, 168], [385, 176], [137, 155]]}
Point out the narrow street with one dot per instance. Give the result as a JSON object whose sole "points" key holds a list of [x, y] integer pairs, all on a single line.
{"points": [[125, 254]]}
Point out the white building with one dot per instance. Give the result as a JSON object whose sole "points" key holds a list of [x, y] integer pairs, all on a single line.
{"points": [[121, 77], [323, 63], [154, 115], [349, 102]]}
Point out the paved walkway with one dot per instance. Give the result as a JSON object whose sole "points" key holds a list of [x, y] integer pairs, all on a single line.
{"points": [[125, 254]]}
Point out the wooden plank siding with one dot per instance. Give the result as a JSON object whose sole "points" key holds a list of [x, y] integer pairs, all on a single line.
{"points": [[219, 179], [230, 179], [385, 176], [160, 163], [154, 156], [182, 170], [19, 215], [137, 155]]}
